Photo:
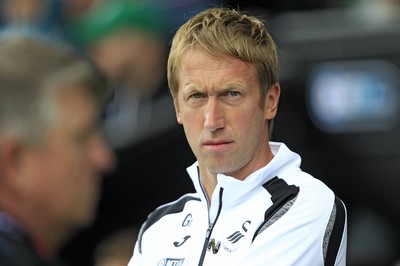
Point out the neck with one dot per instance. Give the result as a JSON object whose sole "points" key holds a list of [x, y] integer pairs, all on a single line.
{"points": [[209, 179], [12, 226], [46, 238], [209, 182]]}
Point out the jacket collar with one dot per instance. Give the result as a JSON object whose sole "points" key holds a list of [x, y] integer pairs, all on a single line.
{"points": [[237, 190]]}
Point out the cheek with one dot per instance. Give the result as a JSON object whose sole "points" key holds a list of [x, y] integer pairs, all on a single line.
{"points": [[251, 125], [50, 188], [61, 171], [192, 122], [64, 163], [68, 191], [191, 135]]}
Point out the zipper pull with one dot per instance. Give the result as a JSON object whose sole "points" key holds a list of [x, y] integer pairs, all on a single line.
{"points": [[214, 247], [208, 232]]}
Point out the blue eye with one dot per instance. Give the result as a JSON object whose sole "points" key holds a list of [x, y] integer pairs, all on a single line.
{"points": [[196, 95], [233, 93]]}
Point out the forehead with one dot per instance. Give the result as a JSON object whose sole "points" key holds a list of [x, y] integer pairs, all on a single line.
{"points": [[196, 58], [197, 64]]}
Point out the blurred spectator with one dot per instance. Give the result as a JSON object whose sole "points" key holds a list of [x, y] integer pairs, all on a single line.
{"points": [[129, 41], [45, 16], [51, 151], [75, 7]]}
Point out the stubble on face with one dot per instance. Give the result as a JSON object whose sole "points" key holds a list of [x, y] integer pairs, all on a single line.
{"points": [[224, 124]]}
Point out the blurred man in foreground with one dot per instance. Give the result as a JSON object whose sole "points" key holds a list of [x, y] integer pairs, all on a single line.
{"points": [[51, 150]]}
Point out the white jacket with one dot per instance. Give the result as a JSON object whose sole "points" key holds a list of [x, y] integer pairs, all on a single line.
{"points": [[279, 215]]}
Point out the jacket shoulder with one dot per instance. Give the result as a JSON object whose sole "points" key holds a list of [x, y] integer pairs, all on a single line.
{"points": [[166, 209], [170, 208]]}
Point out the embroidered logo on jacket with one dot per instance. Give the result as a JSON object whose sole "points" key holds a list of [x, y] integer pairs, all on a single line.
{"points": [[178, 244], [188, 220], [235, 237], [214, 245], [229, 246], [170, 262]]}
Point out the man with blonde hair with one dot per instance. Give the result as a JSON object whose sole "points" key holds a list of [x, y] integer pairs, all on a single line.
{"points": [[253, 204]]}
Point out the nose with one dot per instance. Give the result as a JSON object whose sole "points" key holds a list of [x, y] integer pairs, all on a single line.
{"points": [[214, 115], [102, 158]]}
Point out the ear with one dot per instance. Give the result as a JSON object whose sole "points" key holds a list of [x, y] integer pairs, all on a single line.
{"points": [[13, 164], [177, 112], [10, 150], [271, 101]]}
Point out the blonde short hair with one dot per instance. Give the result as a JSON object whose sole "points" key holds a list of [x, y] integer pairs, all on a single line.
{"points": [[225, 32]]}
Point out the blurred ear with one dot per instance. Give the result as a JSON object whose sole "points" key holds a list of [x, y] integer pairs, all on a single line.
{"points": [[13, 167], [271, 101], [177, 112], [10, 150]]}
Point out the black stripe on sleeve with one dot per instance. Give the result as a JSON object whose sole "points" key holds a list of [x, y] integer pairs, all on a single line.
{"points": [[282, 197], [281, 193], [337, 233]]}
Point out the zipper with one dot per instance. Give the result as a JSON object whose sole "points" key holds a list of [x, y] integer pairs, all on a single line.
{"points": [[210, 229]]}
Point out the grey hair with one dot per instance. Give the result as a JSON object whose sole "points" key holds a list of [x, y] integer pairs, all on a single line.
{"points": [[32, 69]]}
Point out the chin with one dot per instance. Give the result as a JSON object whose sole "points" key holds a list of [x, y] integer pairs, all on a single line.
{"points": [[87, 219]]}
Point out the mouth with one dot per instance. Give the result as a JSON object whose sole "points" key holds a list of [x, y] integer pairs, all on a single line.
{"points": [[219, 145]]}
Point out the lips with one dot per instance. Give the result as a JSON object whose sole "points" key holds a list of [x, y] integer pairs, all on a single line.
{"points": [[217, 142], [217, 145]]}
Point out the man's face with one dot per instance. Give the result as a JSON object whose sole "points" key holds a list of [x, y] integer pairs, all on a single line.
{"points": [[67, 167], [218, 105]]}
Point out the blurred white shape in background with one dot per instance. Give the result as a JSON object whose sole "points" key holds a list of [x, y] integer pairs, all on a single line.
{"points": [[354, 96]]}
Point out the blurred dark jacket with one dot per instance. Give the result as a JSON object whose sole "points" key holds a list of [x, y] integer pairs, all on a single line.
{"points": [[18, 249]]}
